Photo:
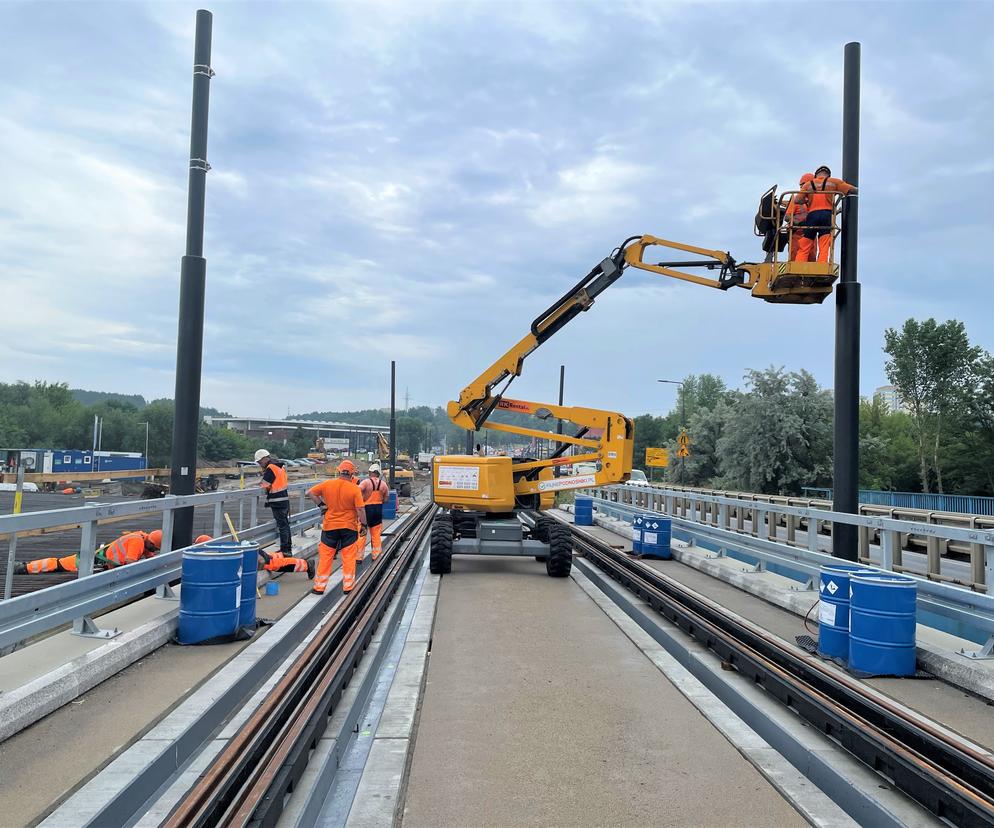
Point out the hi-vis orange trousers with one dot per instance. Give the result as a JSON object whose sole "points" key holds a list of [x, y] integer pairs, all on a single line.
{"points": [[332, 541]]}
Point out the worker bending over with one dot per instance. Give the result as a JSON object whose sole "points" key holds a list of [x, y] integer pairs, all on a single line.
{"points": [[344, 522], [128, 548], [275, 483], [818, 195], [374, 494]]}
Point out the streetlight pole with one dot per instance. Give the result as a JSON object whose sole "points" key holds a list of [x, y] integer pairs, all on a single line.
{"points": [[683, 418]]}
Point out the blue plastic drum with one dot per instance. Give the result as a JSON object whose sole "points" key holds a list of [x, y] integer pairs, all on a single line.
{"points": [[390, 506], [882, 624], [210, 595], [250, 584], [833, 609], [657, 533], [637, 521], [583, 511]]}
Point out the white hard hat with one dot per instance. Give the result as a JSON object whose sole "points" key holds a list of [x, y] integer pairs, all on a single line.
{"points": [[374, 467], [260, 454]]}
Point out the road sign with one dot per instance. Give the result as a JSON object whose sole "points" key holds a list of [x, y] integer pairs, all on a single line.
{"points": [[683, 439], [659, 457], [683, 451]]}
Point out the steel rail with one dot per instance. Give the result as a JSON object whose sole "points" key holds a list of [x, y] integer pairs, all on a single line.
{"points": [[951, 778], [248, 781]]}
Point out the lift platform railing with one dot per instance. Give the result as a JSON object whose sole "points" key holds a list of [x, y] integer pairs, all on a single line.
{"points": [[775, 212], [76, 600], [713, 519]]}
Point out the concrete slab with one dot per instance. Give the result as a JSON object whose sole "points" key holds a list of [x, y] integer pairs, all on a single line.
{"points": [[51, 672], [79, 737], [537, 710]]}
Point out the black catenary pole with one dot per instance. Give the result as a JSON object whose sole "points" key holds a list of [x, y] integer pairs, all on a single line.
{"points": [[193, 278], [393, 421], [846, 468]]}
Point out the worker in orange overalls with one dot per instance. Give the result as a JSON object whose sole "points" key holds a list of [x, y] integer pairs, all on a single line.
{"points": [[797, 216], [819, 197], [128, 548], [374, 494], [344, 522]]}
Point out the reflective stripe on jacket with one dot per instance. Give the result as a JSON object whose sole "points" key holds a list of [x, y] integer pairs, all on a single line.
{"points": [[277, 492]]}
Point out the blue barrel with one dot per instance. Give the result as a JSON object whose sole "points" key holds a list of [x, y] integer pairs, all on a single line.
{"points": [[250, 576], [637, 521], [583, 511], [657, 534], [833, 609], [210, 595], [882, 624], [390, 506], [250, 584]]}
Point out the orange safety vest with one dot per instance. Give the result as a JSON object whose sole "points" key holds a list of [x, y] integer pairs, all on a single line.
{"points": [[822, 191], [126, 549], [277, 492], [377, 494]]}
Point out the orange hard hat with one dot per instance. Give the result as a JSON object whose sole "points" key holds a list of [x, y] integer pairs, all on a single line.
{"points": [[806, 178], [155, 538], [203, 539], [346, 466]]}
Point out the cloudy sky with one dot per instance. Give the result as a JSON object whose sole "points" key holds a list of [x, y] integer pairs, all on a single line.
{"points": [[415, 181]]}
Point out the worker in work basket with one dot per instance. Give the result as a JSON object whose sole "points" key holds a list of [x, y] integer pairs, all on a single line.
{"points": [[343, 526]]}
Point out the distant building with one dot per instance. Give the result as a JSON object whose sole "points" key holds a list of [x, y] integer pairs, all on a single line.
{"points": [[890, 397]]}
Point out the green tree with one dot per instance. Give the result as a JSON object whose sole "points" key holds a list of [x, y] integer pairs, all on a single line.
{"points": [[931, 365]]}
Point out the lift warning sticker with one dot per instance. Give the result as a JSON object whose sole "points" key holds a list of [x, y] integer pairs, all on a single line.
{"points": [[826, 613], [459, 477]]}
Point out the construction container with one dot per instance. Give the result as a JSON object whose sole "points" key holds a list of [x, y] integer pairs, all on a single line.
{"points": [[390, 506], [637, 521], [210, 597], [882, 623]]}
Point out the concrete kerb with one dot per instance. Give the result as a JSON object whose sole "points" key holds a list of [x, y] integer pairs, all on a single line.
{"points": [[25, 705], [953, 668]]}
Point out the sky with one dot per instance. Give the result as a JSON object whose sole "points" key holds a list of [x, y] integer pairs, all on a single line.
{"points": [[418, 180]]}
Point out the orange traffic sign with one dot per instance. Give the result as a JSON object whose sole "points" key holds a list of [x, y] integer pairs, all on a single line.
{"points": [[659, 457]]}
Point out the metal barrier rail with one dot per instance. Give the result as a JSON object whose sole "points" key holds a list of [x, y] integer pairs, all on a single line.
{"points": [[77, 600], [963, 606], [926, 501], [935, 545]]}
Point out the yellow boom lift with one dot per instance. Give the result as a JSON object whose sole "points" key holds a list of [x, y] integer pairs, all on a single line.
{"points": [[483, 496]]}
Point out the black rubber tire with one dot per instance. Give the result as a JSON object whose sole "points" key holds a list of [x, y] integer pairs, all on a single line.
{"points": [[405, 490], [541, 530], [464, 525], [560, 560], [440, 551]]}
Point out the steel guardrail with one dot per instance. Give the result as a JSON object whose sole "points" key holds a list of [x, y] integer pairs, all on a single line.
{"points": [[964, 606], [76, 600]]}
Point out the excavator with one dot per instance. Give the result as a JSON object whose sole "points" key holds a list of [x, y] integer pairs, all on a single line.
{"points": [[488, 502], [402, 476]]}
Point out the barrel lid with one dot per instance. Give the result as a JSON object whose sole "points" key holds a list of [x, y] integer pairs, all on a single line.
{"points": [[847, 569], [885, 579], [213, 553]]}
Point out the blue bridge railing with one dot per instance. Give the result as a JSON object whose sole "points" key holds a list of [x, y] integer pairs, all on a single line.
{"points": [[966, 504]]}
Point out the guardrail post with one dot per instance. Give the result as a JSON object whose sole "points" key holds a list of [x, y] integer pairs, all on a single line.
{"points": [[723, 515], [791, 528], [241, 514], [165, 591], [932, 554], [890, 542], [218, 525], [85, 626], [254, 511], [812, 533], [863, 543], [989, 569], [301, 507]]}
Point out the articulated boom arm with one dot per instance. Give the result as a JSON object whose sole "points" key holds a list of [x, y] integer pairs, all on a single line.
{"points": [[773, 281]]}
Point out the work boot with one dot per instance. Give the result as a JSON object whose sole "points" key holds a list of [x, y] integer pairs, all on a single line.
{"points": [[317, 592], [310, 569], [20, 568]]}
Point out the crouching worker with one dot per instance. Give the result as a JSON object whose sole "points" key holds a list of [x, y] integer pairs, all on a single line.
{"points": [[278, 562], [374, 494], [344, 520], [128, 548]]}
